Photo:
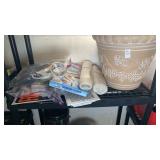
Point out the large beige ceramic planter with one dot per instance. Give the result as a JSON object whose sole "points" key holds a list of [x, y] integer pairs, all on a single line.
{"points": [[125, 59]]}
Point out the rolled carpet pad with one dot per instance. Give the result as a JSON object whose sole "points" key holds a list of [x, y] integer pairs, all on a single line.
{"points": [[99, 83], [86, 81]]}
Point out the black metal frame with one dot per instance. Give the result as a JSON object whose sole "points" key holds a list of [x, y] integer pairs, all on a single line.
{"points": [[6, 79], [130, 111], [113, 98], [15, 52], [29, 49], [120, 108]]}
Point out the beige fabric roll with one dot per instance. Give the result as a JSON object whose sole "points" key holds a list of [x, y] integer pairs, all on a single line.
{"points": [[86, 81], [99, 83]]}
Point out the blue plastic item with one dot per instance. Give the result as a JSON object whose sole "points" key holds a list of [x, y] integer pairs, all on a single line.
{"points": [[68, 88]]}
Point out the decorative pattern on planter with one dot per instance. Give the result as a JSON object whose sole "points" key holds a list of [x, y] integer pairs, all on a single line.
{"points": [[124, 69], [144, 63], [122, 76], [120, 61]]}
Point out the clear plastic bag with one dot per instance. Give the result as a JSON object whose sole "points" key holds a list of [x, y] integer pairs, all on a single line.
{"points": [[35, 92], [34, 80], [28, 75]]}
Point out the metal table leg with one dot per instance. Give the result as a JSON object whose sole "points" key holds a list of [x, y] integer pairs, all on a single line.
{"points": [[15, 117], [119, 115], [147, 113], [126, 118], [15, 52], [29, 49]]}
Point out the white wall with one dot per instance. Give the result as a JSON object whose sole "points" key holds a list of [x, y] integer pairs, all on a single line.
{"points": [[50, 47], [46, 48]]}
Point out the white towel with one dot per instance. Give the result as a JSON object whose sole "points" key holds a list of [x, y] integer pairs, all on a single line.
{"points": [[99, 83], [86, 81]]}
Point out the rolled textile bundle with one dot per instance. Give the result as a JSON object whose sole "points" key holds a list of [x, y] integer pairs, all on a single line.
{"points": [[99, 83], [86, 81]]}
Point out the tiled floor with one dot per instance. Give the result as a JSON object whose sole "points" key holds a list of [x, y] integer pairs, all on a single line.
{"points": [[102, 116]]}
